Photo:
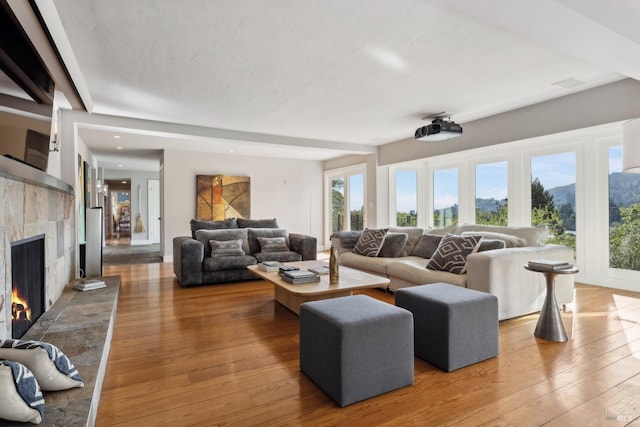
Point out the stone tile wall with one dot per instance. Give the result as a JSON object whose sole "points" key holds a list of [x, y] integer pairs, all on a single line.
{"points": [[28, 210]]}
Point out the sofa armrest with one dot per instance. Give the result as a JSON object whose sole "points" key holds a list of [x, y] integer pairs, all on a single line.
{"points": [[307, 246], [501, 272], [188, 255]]}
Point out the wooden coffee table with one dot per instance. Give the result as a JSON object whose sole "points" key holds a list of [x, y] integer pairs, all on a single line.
{"points": [[291, 296]]}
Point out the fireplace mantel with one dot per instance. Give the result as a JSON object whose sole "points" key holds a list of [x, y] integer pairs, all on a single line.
{"points": [[17, 171]]}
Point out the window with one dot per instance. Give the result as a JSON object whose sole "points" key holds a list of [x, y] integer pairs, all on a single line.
{"points": [[445, 197], [356, 202], [346, 200], [337, 204], [491, 193], [624, 214], [553, 196], [406, 198]]}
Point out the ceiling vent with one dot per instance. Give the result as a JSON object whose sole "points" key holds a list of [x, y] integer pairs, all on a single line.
{"points": [[439, 129]]}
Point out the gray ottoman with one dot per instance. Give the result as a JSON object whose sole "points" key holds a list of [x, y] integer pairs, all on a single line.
{"points": [[356, 347], [454, 326]]}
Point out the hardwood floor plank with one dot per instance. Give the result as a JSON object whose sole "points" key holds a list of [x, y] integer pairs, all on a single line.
{"points": [[229, 355]]}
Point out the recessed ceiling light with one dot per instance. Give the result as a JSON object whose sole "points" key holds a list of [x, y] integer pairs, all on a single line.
{"points": [[231, 150], [116, 136], [119, 148], [124, 182], [119, 165]]}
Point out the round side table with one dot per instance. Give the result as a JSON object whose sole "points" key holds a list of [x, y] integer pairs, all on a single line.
{"points": [[549, 326]]}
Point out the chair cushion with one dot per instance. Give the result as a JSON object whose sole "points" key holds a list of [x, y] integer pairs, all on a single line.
{"points": [[258, 223], [203, 236], [254, 233], [288, 256], [228, 263], [273, 244]]}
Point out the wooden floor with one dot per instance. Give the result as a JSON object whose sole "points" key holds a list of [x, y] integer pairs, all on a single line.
{"points": [[228, 355]]}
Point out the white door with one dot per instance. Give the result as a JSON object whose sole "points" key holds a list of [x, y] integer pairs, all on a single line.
{"points": [[154, 210]]}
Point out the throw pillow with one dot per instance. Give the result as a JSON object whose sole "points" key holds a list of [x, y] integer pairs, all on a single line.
{"points": [[51, 367], [258, 223], [255, 233], [393, 245], [491, 244], [19, 393], [509, 240], [427, 245], [273, 244], [204, 236], [220, 248], [348, 239], [452, 253], [413, 236], [370, 242]]}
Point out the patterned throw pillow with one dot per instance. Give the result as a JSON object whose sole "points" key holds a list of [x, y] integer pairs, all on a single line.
{"points": [[452, 253], [221, 248], [20, 396], [51, 367], [370, 243], [273, 244]]}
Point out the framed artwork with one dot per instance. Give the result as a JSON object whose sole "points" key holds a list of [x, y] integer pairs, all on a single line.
{"points": [[220, 196]]}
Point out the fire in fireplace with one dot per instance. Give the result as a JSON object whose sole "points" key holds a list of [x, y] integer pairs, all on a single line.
{"points": [[27, 277]]}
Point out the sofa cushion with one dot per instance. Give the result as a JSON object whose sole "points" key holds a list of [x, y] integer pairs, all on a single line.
{"points": [[510, 241], [226, 248], [212, 225], [258, 223], [413, 270], [533, 236], [452, 253], [287, 256], [451, 229], [393, 245], [228, 263], [413, 236], [203, 236], [370, 243], [254, 233], [273, 244], [427, 245], [491, 244], [371, 264]]}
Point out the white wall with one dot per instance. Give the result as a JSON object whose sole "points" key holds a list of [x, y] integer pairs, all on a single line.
{"points": [[289, 190]]}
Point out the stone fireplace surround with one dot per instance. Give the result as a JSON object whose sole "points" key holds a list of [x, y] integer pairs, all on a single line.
{"points": [[32, 203]]}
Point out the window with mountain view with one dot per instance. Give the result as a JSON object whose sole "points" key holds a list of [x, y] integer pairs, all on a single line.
{"points": [[553, 196], [406, 198], [624, 214], [491, 193], [445, 197]]}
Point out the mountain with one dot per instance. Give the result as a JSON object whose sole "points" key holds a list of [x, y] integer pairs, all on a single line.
{"points": [[625, 191]]}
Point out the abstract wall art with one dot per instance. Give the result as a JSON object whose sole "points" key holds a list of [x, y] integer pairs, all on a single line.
{"points": [[220, 196]]}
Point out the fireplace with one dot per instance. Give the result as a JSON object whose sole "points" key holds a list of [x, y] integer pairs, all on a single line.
{"points": [[27, 278]]}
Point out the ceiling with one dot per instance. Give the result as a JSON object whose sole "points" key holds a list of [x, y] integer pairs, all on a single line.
{"points": [[338, 76]]}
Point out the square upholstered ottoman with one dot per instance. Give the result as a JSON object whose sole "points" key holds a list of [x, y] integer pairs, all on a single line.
{"points": [[454, 326], [356, 347]]}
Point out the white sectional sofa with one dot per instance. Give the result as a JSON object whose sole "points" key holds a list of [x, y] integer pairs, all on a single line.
{"points": [[498, 271]]}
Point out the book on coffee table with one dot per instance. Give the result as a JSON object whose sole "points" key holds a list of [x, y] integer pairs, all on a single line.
{"points": [[297, 274], [301, 280]]}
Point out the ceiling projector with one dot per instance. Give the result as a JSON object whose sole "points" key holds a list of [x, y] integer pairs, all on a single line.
{"points": [[438, 130]]}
